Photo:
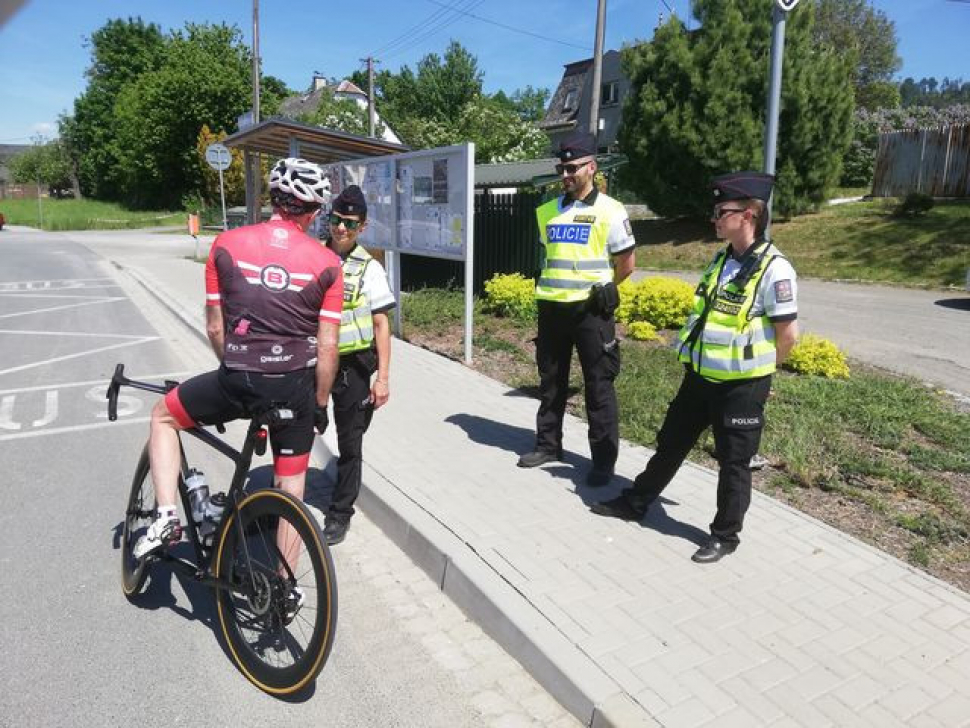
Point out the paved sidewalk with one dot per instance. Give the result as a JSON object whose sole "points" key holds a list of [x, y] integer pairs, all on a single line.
{"points": [[803, 626]]}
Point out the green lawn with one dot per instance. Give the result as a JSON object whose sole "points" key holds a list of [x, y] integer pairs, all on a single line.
{"points": [[855, 241], [84, 215]]}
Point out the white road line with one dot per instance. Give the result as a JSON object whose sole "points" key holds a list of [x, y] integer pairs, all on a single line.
{"points": [[6, 414], [91, 382], [50, 411], [73, 428], [32, 294], [75, 355], [73, 333], [59, 308]]}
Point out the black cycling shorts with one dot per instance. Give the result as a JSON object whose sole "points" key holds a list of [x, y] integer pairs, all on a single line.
{"points": [[224, 395]]}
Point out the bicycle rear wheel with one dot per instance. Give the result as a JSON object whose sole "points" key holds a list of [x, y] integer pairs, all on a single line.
{"points": [[138, 516], [280, 647]]}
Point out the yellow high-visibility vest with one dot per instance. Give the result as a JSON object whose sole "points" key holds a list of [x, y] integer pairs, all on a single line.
{"points": [[356, 320], [721, 341], [577, 256]]}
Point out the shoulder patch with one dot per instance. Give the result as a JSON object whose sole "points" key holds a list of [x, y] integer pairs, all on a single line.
{"points": [[783, 291], [627, 226]]}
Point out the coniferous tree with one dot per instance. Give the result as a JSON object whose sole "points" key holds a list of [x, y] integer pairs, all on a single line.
{"points": [[697, 108]]}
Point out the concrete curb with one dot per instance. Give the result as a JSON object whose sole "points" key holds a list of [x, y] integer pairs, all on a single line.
{"points": [[568, 674]]}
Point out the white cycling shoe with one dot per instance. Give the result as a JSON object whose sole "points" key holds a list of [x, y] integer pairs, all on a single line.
{"points": [[161, 534]]}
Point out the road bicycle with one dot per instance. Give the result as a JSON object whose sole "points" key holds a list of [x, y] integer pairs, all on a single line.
{"points": [[266, 545]]}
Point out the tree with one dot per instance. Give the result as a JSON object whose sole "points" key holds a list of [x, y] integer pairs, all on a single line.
{"points": [[930, 92], [867, 36], [697, 101], [47, 164], [272, 93], [202, 80], [121, 51], [233, 178], [529, 104]]}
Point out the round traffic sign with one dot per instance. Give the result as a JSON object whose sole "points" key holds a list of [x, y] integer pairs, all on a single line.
{"points": [[218, 156]]}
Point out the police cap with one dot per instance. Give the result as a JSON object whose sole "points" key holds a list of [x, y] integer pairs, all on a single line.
{"points": [[577, 146], [742, 186], [350, 202]]}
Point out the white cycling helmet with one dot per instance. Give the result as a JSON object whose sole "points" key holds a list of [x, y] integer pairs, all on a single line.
{"points": [[300, 179]]}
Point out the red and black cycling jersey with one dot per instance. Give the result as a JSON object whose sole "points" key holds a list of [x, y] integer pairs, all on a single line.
{"points": [[275, 284]]}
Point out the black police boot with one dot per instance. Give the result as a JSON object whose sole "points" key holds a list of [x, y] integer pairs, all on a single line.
{"points": [[335, 529], [539, 457], [714, 550], [621, 507]]}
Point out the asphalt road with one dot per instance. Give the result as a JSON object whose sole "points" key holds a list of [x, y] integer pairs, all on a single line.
{"points": [[75, 651], [920, 333]]}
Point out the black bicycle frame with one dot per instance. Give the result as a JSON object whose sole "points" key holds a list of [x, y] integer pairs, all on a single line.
{"points": [[255, 436]]}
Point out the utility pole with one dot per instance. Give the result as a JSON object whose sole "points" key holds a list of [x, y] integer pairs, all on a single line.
{"points": [[39, 140], [371, 110], [594, 100], [253, 165]]}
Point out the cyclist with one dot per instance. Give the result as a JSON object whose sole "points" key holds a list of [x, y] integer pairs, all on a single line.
{"points": [[274, 297]]}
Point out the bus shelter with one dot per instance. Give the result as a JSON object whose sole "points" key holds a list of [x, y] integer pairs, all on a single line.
{"points": [[278, 137]]}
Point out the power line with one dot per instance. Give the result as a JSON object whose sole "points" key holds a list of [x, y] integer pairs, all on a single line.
{"points": [[409, 34], [518, 30], [445, 22]]}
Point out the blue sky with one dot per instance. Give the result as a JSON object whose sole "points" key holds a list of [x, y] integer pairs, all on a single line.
{"points": [[43, 58]]}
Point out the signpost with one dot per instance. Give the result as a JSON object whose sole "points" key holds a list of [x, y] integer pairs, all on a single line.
{"points": [[219, 158], [779, 16]]}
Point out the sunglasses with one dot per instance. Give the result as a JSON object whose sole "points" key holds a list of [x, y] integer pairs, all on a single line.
{"points": [[336, 219], [572, 167], [718, 214]]}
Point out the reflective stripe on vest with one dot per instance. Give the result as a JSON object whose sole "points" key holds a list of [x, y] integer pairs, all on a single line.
{"points": [[356, 321], [732, 345], [575, 241]]}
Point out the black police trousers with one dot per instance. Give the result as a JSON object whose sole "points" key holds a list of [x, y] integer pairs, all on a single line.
{"points": [[563, 326], [352, 413], [735, 413]]}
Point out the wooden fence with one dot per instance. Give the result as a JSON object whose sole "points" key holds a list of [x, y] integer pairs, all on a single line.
{"points": [[935, 162]]}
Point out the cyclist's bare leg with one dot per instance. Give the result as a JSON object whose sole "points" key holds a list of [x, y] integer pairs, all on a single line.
{"points": [[287, 539], [164, 454]]}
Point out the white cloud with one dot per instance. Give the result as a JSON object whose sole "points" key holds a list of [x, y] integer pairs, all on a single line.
{"points": [[46, 129]]}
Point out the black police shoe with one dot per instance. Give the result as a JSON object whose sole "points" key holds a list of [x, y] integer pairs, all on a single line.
{"points": [[539, 457], [714, 550], [335, 530], [620, 507], [598, 477]]}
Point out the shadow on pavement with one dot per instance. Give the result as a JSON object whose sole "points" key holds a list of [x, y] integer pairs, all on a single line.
{"points": [[574, 467], [959, 304]]}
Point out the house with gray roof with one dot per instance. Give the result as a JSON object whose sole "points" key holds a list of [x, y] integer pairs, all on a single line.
{"points": [[295, 106], [568, 110]]}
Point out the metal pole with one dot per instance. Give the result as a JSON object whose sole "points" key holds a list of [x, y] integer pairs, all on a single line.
{"points": [[255, 62], [469, 250], [371, 110], [40, 207], [594, 99], [222, 194], [779, 17]]}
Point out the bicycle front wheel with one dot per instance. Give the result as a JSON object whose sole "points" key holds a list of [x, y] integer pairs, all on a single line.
{"points": [[138, 516], [277, 600]]}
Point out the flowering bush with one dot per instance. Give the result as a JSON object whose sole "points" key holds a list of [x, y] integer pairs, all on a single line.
{"points": [[814, 355], [642, 331], [664, 302], [511, 295]]}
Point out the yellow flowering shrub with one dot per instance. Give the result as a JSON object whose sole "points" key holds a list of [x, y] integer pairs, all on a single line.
{"points": [[817, 356], [511, 295], [664, 302], [642, 331]]}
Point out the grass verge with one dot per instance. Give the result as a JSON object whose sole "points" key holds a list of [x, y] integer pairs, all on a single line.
{"points": [[854, 241], [84, 215], [881, 457]]}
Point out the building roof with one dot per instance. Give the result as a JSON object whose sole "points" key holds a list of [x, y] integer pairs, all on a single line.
{"points": [[573, 81], [317, 144], [533, 172]]}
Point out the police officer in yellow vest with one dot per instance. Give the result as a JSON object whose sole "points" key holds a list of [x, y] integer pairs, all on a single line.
{"points": [[364, 347], [743, 325], [588, 251]]}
